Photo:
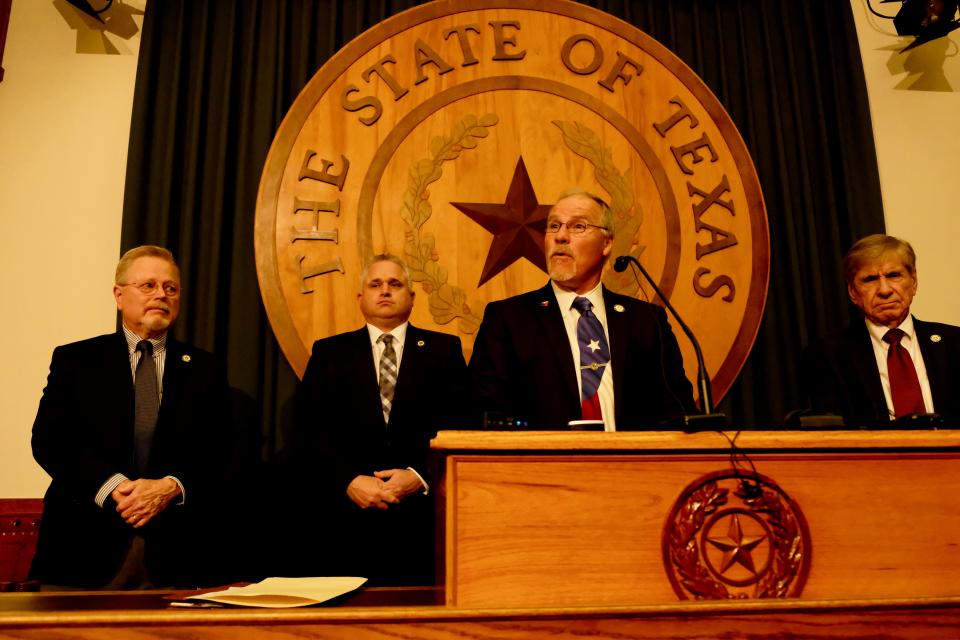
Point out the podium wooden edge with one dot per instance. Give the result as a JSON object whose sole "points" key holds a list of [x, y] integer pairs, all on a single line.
{"points": [[433, 613], [753, 440]]}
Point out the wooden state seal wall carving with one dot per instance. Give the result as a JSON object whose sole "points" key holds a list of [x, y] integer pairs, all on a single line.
{"points": [[445, 133], [726, 538]]}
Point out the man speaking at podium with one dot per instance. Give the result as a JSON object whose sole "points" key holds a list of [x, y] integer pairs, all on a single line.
{"points": [[130, 429], [369, 403], [888, 365], [574, 350]]}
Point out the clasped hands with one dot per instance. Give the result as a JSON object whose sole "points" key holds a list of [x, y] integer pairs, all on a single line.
{"points": [[383, 488], [138, 501]]}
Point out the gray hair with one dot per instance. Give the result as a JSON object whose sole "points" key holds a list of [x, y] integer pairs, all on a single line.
{"points": [[143, 251], [606, 213], [387, 257], [873, 247]]}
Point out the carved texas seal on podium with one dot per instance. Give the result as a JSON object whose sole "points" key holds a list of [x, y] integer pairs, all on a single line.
{"points": [[731, 535]]}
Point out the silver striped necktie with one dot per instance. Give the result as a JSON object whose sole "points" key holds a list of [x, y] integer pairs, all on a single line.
{"points": [[388, 375]]}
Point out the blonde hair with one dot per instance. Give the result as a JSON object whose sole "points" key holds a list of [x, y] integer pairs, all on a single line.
{"points": [[143, 251]]}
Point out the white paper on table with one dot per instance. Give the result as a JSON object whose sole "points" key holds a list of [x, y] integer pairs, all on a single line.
{"points": [[279, 593]]}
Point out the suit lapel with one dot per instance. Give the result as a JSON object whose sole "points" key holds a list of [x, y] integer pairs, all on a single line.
{"points": [[172, 372], [935, 362], [411, 362], [175, 376], [360, 373], [864, 361], [416, 347], [617, 327], [118, 376], [550, 322]]}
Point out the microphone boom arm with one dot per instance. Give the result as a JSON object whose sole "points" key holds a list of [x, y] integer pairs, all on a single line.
{"points": [[703, 381]]}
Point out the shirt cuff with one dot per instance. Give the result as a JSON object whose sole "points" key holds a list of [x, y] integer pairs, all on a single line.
{"points": [[107, 488], [183, 492], [426, 487]]}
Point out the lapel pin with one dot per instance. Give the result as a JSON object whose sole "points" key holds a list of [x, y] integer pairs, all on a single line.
{"points": [[618, 308], [935, 338], [545, 303], [185, 357], [420, 343]]}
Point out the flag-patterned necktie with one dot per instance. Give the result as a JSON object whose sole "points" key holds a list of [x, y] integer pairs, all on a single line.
{"points": [[594, 358], [388, 375], [904, 383], [146, 407]]}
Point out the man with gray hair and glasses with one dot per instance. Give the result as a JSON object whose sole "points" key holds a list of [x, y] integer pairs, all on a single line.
{"points": [[574, 350], [130, 429]]}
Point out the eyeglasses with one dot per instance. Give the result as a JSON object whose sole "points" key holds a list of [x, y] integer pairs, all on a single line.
{"points": [[574, 227], [149, 288]]}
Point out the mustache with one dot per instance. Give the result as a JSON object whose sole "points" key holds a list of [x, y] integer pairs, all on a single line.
{"points": [[161, 306], [562, 251]]}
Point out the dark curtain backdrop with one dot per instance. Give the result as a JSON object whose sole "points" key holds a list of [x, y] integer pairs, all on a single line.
{"points": [[215, 79]]}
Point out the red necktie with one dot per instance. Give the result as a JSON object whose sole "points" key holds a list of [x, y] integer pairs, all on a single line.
{"points": [[904, 383]]}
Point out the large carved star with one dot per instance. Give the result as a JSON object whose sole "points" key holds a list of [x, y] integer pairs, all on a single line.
{"points": [[517, 225], [736, 547]]}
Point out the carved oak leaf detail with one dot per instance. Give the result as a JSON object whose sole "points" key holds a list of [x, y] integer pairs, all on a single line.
{"points": [[685, 556], [446, 302]]}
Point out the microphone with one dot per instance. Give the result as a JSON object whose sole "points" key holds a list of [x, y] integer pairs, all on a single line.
{"points": [[709, 420]]}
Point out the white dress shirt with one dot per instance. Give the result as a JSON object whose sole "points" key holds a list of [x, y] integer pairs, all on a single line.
{"points": [[399, 334]]}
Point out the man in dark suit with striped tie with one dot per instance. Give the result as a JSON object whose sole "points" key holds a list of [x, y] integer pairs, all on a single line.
{"points": [[574, 350], [887, 364], [369, 403], [130, 428]]}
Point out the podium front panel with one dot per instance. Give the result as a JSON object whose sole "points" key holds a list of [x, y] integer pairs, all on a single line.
{"points": [[582, 526]]}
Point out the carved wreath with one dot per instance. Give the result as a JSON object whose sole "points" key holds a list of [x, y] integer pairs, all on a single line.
{"points": [[787, 542]]}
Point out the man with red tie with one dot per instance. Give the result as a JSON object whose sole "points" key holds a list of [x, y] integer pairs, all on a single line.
{"points": [[889, 364], [574, 350]]}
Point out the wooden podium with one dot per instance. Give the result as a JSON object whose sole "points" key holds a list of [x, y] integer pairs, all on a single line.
{"points": [[555, 519]]}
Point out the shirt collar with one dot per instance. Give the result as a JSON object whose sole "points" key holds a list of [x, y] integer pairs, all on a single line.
{"points": [[399, 332], [159, 343], [877, 331], [565, 298]]}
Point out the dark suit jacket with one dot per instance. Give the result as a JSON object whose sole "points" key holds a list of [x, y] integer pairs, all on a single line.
{"points": [[840, 373], [339, 433], [83, 434], [522, 364]]}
